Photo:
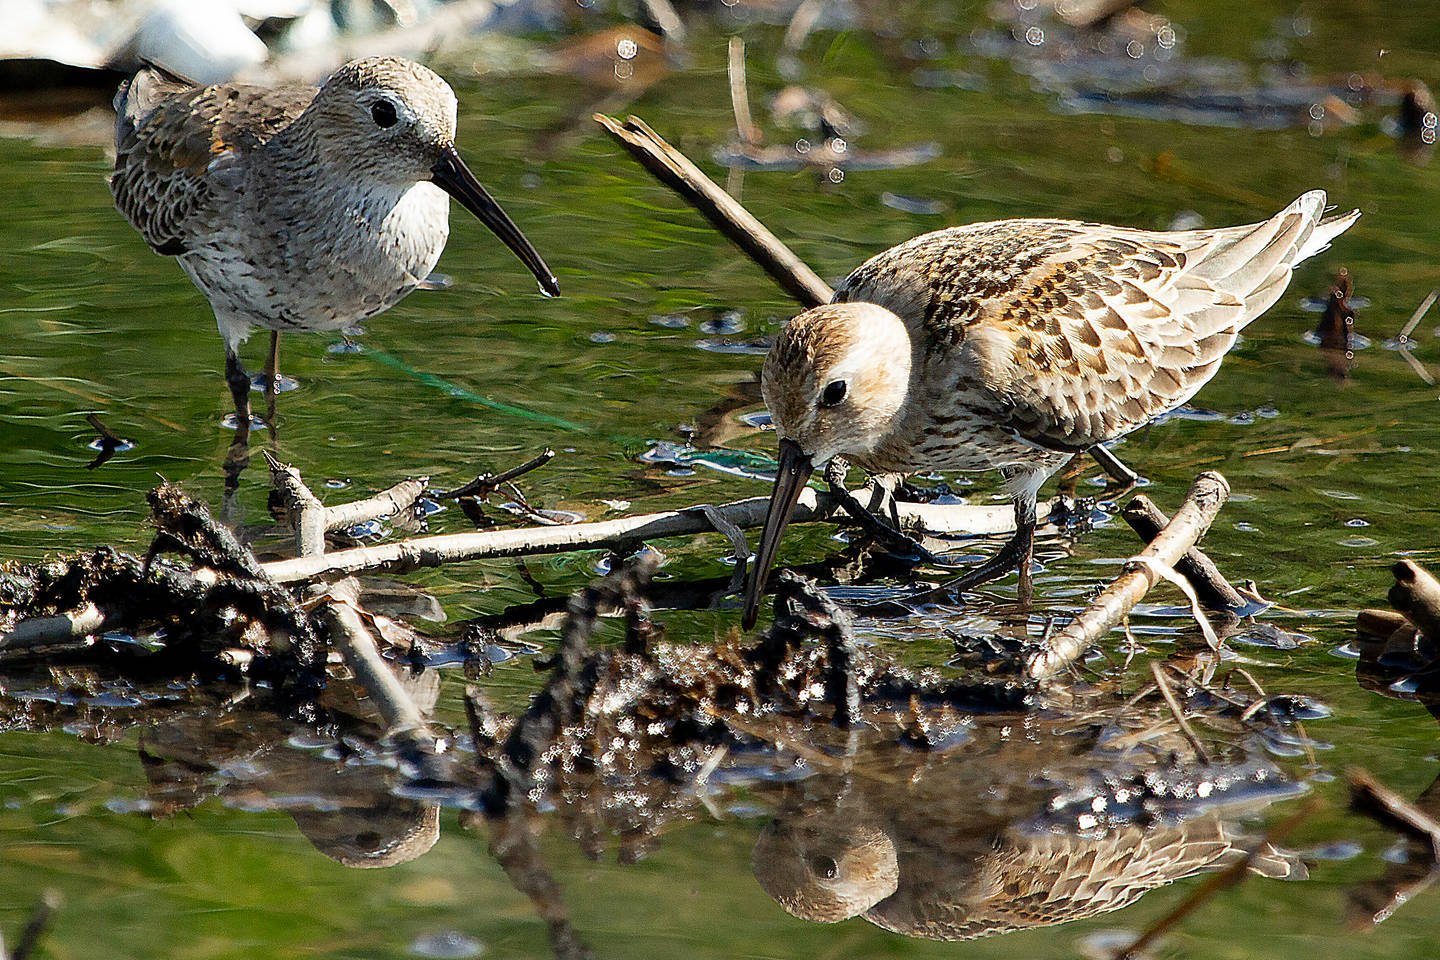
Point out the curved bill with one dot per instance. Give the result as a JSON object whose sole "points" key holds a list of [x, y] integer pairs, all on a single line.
{"points": [[795, 470], [451, 175]]}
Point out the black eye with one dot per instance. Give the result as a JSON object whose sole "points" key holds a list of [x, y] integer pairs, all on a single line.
{"points": [[383, 113], [824, 867], [833, 394]]}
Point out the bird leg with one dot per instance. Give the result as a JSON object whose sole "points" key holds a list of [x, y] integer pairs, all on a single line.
{"points": [[1016, 554], [893, 539], [272, 378], [239, 383]]}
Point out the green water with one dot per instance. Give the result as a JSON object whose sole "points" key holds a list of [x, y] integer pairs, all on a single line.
{"points": [[94, 323]]}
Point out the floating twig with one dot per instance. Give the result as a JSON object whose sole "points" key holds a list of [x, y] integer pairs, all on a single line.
{"points": [[487, 483], [740, 94], [1186, 527], [1373, 798]]}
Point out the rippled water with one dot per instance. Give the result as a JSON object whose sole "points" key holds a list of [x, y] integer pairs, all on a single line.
{"points": [[655, 342]]}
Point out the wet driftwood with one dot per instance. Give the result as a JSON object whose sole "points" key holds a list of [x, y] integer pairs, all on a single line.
{"points": [[674, 169], [1210, 584], [1184, 530], [628, 532]]}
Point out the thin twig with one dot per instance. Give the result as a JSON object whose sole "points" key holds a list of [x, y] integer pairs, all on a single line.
{"points": [[486, 483], [1158, 670], [1228, 877], [674, 169], [1381, 803], [1210, 584], [740, 94]]}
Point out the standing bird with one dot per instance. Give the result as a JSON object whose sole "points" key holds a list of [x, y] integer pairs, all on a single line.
{"points": [[1013, 345], [294, 208]]}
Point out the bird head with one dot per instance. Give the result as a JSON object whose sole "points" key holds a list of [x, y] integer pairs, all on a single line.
{"points": [[393, 120], [836, 382]]}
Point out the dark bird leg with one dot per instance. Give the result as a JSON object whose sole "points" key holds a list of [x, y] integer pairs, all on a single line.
{"points": [[1016, 554], [1122, 478], [272, 379], [239, 383], [893, 539]]}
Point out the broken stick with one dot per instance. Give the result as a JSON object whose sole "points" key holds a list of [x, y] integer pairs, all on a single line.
{"points": [[1184, 530], [1210, 584], [674, 169]]}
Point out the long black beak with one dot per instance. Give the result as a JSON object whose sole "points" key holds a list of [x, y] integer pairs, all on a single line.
{"points": [[451, 175], [795, 470]]}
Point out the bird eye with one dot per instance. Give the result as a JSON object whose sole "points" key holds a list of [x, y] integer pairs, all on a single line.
{"points": [[833, 394], [824, 867], [383, 113]]}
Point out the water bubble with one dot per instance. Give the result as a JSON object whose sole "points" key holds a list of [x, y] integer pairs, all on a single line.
{"points": [[1035, 36], [100, 443], [345, 346], [1357, 522], [1357, 542], [729, 322], [450, 945], [626, 49], [916, 205], [334, 484], [602, 336], [671, 321], [836, 175]]}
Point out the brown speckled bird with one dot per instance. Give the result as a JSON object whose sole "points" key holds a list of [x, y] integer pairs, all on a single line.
{"points": [[1013, 345], [294, 208]]}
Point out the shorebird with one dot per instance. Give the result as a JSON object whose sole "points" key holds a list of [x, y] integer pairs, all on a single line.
{"points": [[1012, 345], [293, 208]]}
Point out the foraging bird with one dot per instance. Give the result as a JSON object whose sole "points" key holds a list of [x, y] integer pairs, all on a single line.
{"points": [[1013, 345], [294, 208]]}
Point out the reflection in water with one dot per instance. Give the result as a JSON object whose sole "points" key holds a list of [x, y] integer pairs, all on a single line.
{"points": [[936, 807]]}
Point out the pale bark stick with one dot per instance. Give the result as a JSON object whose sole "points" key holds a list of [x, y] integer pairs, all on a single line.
{"points": [[386, 503], [1210, 584], [307, 513], [814, 505], [1416, 594], [362, 655], [61, 628], [1188, 525], [674, 169]]}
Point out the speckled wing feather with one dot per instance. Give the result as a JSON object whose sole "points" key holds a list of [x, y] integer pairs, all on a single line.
{"points": [[1073, 333], [172, 140]]}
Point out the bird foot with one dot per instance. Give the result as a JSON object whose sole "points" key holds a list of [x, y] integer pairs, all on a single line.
{"points": [[892, 538]]}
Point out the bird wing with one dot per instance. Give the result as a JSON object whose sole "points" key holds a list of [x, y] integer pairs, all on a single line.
{"points": [[172, 139], [1074, 333]]}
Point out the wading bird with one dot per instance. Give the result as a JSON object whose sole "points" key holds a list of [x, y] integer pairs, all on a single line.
{"points": [[294, 208], [1012, 345]]}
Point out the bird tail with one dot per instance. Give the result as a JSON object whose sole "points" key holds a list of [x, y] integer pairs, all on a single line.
{"points": [[1325, 230]]}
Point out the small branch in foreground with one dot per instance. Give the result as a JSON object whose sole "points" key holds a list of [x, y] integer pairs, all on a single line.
{"points": [[387, 503], [674, 169], [1210, 584], [1380, 803], [626, 532], [1189, 524], [349, 634], [34, 929]]}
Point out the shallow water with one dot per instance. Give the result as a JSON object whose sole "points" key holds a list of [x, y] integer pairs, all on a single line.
{"points": [[656, 330]]}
